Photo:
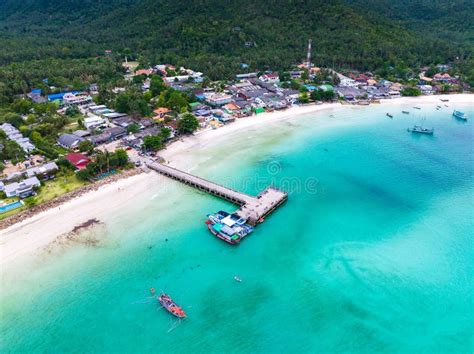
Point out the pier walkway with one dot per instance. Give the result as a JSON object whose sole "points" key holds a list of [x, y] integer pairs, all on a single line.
{"points": [[253, 209]]}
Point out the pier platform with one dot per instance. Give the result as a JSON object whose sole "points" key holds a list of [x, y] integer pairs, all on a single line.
{"points": [[253, 209]]}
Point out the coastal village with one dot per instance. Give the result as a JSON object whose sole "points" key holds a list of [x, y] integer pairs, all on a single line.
{"points": [[61, 140]]}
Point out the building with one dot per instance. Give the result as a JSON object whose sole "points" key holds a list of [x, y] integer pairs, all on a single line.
{"points": [[161, 112], [69, 141], [145, 72], [81, 133], [60, 96], [75, 99], [15, 135], [43, 170], [346, 81], [426, 89], [245, 76], [349, 93], [35, 96], [22, 189], [92, 122], [218, 99], [271, 78], [442, 77], [79, 161]]}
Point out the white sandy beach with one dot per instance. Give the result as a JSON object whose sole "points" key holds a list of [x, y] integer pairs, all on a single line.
{"points": [[29, 235]]}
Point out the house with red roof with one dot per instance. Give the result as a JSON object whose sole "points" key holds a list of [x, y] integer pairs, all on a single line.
{"points": [[80, 161]]}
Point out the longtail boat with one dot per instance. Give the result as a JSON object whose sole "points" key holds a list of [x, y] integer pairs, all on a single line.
{"points": [[172, 307]]}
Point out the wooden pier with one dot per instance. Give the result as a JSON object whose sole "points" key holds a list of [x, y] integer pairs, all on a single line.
{"points": [[253, 209]]}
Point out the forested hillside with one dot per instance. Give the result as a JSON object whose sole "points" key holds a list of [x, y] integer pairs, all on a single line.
{"points": [[215, 36]]}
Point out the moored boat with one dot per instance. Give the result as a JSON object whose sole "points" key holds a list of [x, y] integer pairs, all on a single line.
{"points": [[389, 115], [228, 227], [405, 112], [171, 306], [420, 130], [460, 115], [224, 233]]}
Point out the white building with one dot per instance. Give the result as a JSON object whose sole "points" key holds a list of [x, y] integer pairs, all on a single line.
{"points": [[74, 99], [346, 81], [217, 99], [22, 189], [93, 121]]}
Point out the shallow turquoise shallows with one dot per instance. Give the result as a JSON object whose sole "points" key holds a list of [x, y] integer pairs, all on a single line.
{"points": [[372, 252]]}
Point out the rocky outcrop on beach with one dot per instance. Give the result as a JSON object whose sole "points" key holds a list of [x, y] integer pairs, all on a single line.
{"points": [[81, 234], [56, 202]]}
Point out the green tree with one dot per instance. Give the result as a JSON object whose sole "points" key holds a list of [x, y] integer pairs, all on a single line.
{"points": [[157, 85], [165, 133], [133, 128], [153, 143], [303, 97], [22, 106], [86, 146], [84, 174], [122, 103], [177, 101], [187, 124], [72, 111], [285, 76], [122, 157], [410, 91]]}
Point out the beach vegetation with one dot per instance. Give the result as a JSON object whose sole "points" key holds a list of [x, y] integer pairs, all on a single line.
{"points": [[103, 164], [303, 98], [323, 95], [187, 123], [410, 91], [153, 143], [165, 133]]}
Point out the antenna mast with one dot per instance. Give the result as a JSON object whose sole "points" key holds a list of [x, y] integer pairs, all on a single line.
{"points": [[308, 56]]}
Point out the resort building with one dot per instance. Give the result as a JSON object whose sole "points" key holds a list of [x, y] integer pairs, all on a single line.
{"points": [[43, 170], [79, 161], [23, 188]]}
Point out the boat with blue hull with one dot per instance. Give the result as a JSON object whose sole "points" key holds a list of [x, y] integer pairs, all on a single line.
{"points": [[459, 115], [228, 227]]}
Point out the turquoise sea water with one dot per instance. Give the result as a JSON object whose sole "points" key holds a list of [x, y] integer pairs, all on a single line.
{"points": [[372, 252]]}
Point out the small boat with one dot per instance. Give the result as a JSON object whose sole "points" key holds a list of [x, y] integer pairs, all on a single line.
{"points": [[460, 115], [171, 306], [389, 115], [152, 291], [237, 279], [417, 107], [444, 100], [420, 130], [405, 112]]}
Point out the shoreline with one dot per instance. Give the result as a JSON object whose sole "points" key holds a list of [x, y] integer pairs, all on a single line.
{"points": [[57, 202], [60, 216], [174, 154]]}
